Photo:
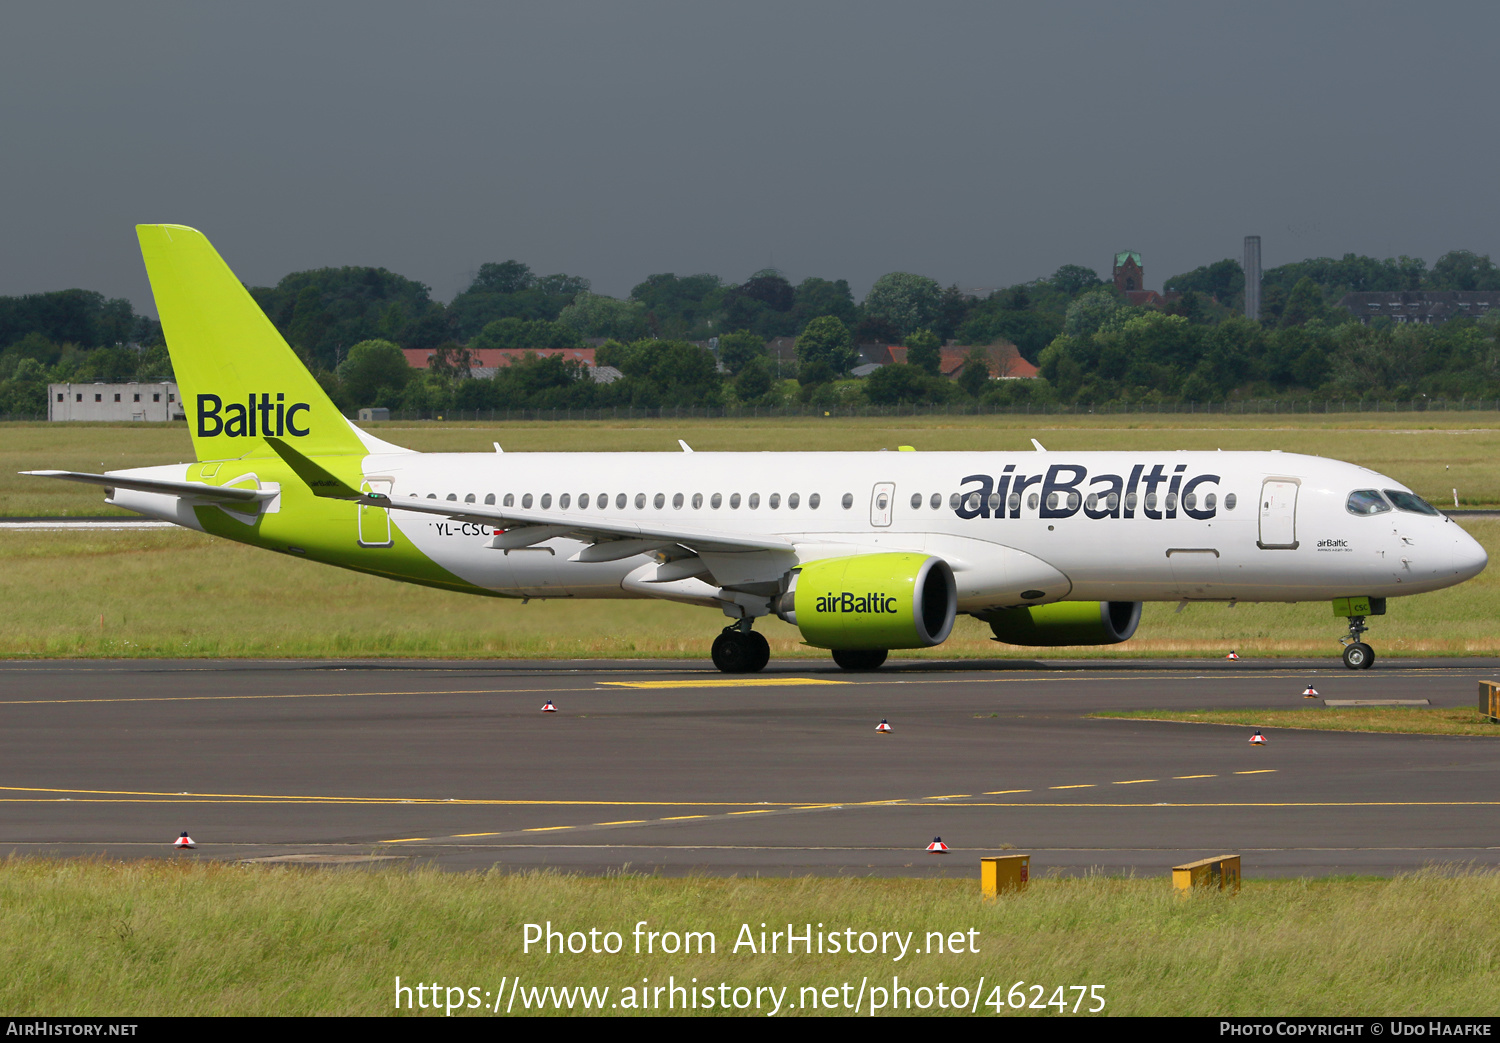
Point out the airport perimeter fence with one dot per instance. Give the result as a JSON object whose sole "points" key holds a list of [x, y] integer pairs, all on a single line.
{"points": [[1301, 407], [1298, 407]]}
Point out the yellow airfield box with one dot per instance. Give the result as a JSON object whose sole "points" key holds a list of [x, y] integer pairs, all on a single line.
{"points": [[1004, 873], [1221, 872], [1489, 700]]}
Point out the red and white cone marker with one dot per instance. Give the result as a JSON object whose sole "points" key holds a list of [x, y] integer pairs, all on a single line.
{"points": [[1309, 692], [1232, 655], [937, 847], [1257, 739], [547, 707], [883, 726], [183, 842]]}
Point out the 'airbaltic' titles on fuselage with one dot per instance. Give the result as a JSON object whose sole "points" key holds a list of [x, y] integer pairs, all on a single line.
{"points": [[850, 602], [1066, 489], [260, 417]]}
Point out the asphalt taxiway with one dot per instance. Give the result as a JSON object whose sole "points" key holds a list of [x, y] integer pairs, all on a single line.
{"points": [[671, 767]]}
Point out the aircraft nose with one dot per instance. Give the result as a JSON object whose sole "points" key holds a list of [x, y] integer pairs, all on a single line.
{"points": [[1467, 558]]}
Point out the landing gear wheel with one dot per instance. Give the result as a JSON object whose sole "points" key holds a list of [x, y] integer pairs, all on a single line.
{"points": [[738, 651], [1359, 656], [859, 658]]}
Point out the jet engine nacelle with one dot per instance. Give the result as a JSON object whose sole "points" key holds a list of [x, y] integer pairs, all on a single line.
{"points": [[1066, 623], [872, 601]]}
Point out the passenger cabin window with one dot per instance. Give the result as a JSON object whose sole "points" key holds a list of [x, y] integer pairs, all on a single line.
{"points": [[563, 501], [734, 501], [677, 501], [848, 500], [1032, 501], [1229, 501], [470, 498], [1411, 503], [490, 499], [659, 501], [953, 501], [583, 501], [813, 501], [916, 500], [697, 501], [936, 501], [546, 501], [640, 501], [510, 500], [792, 501], [716, 501], [453, 496], [754, 501], [774, 501], [526, 501]]}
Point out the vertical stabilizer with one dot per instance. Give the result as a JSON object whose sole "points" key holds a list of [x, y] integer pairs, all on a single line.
{"points": [[239, 379]]}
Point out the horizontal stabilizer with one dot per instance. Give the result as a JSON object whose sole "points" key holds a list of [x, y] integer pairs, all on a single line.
{"points": [[192, 490], [321, 481]]}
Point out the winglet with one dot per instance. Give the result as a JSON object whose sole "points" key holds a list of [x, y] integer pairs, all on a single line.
{"points": [[321, 481]]}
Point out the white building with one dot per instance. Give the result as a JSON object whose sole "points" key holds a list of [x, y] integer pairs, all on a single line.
{"points": [[113, 402]]}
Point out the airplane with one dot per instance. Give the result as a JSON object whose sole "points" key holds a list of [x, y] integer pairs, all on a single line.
{"points": [[863, 552]]}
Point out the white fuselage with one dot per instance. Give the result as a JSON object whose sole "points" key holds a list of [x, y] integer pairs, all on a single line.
{"points": [[1134, 526]]}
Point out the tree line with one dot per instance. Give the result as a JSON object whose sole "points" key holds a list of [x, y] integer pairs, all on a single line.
{"points": [[1091, 345]]}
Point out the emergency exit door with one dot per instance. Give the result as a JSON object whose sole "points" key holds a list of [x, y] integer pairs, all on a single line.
{"points": [[881, 501], [375, 522]]}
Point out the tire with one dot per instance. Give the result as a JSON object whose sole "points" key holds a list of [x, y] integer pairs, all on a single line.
{"points": [[859, 658], [760, 652], [1359, 656], [737, 652]]}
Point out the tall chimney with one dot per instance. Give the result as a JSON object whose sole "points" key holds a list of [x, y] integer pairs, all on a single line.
{"points": [[1252, 277]]}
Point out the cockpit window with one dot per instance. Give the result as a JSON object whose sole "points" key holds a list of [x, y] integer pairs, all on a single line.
{"points": [[1366, 501], [1411, 502]]}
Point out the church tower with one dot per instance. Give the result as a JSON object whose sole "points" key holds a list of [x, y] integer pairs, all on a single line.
{"points": [[1129, 275]]}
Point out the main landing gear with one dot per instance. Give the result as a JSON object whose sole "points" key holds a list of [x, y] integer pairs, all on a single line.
{"points": [[740, 650], [1357, 654]]}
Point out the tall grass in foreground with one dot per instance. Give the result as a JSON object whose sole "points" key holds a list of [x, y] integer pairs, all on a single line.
{"points": [[188, 938], [179, 593]]}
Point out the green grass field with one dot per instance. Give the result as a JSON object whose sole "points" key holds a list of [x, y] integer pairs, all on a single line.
{"points": [[169, 593], [179, 593], [190, 939], [1433, 453], [1404, 720]]}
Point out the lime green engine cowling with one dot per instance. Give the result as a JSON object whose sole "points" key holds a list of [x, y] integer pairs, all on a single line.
{"points": [[1066, 623], [872, 601]]}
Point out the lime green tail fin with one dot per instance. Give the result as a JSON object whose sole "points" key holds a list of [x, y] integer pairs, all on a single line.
{"points": [[239, 379]]}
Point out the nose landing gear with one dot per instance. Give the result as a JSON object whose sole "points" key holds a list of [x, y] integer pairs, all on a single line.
{"points": [[1357, 654], [740, 650]]}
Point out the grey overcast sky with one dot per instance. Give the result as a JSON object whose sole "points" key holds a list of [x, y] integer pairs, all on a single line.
{"points": [[978, 143]]}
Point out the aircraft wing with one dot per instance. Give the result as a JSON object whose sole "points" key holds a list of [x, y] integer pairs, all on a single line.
{"points": [[191, 490], [527, 527]]}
